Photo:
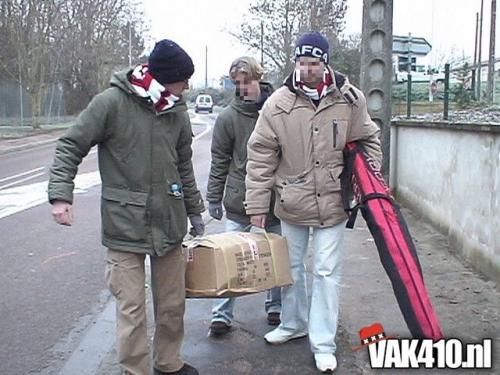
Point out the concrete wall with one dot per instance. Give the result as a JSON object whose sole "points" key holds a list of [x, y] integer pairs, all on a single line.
{"points": [[450, 174]]}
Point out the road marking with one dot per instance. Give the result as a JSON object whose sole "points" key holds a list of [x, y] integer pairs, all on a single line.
{"points": [[20, 198], [58, 257], [34, 146], [21, 180], [207, 130], [21, 174]]}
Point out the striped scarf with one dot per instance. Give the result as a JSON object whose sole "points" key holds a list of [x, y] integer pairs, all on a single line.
{"points": [[320, 91], [147, 87]]}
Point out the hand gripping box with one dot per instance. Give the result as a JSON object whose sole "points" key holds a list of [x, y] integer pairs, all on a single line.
{"points": [[236, 263]]}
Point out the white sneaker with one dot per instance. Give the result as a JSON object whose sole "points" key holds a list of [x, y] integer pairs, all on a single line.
{"points": [[279, 336], [325, 362]]}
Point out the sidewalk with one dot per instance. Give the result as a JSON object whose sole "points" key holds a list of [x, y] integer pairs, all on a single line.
{"points": [[467, 304], [25, 142]]}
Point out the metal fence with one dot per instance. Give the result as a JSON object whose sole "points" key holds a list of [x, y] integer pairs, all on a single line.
{"points": [[456, 90], [16, 108]]}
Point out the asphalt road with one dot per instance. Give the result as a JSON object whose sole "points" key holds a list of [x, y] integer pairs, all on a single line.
{"points": [[52, 293], [52, 277]]}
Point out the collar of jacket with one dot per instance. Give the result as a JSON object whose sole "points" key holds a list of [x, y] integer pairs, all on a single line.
{"points": [[290, 101], [252, 109], [121, 80]]}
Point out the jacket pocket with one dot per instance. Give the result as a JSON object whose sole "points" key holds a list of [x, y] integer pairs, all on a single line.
{"points": [[177, 219], [334, 172], [335, 131], [296, 198], [338, 134], [234, 196], [124, 214]]}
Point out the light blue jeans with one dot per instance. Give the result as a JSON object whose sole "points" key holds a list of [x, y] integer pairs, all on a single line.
{"points": [[222, 310], [322, 318]]}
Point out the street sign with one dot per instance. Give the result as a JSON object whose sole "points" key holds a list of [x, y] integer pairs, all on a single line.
{"points": [[401, 45]]}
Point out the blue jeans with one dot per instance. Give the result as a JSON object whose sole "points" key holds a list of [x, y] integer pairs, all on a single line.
{"points": [[322, 318], [222, 310]]}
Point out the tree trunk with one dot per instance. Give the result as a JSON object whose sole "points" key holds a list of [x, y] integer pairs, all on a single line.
{"points": [[37, 100]]}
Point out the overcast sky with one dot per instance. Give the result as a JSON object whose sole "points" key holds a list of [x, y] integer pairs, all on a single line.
{"points": [[449, 25]]}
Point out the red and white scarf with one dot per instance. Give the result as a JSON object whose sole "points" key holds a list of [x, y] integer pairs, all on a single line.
{"points": [[147, 87], [317, 93]]}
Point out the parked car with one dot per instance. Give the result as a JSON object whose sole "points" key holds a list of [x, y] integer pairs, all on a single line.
{"points": [[204, 102], [421, 74]]}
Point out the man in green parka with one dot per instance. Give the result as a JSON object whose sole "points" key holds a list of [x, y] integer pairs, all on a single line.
{"points": [[142, 130]]}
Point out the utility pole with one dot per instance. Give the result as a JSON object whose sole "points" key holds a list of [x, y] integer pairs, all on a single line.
{"points": [[491, 60], [376, 69], [474, 69], [479, 53], [408, 89], [432, 84], [262, 43], [21, 95], [206, 67], [446, 91]]}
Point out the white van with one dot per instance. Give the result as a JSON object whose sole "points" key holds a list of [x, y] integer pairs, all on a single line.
{"points": [[204, 102]]}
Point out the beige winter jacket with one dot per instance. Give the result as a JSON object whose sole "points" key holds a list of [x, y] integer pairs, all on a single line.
{"points": [[296, 148]]}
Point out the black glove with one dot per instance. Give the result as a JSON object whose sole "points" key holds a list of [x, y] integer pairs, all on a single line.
{"points": [[198, 226], [215, 210]]}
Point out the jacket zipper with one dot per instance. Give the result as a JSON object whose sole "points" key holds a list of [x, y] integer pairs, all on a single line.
{"points": [[334, 134]]}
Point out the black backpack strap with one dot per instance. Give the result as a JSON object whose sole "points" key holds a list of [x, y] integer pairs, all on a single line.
{"points": [[353, 214], [376, 196], [347, 191]]}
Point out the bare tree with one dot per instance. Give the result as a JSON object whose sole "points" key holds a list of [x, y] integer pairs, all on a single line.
{"points": [[29, 28], [77, 43], [98, 39], [345, 56], [283, 21]]}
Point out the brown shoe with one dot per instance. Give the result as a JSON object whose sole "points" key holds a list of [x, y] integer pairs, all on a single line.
{"points": [[273, 319], [218, 328]]}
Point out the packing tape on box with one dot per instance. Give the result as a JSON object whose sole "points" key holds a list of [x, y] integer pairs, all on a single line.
{"points": [[252, 244], [256, 253], [273, 260]]}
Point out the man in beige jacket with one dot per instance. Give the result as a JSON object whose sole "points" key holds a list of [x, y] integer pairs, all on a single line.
{"points": [[296, 149]]}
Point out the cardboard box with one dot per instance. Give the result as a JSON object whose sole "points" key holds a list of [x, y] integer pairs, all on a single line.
{"points": [[235, 263]]}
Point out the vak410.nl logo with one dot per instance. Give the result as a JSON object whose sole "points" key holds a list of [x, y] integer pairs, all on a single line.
{"points": [[386, 352]]}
